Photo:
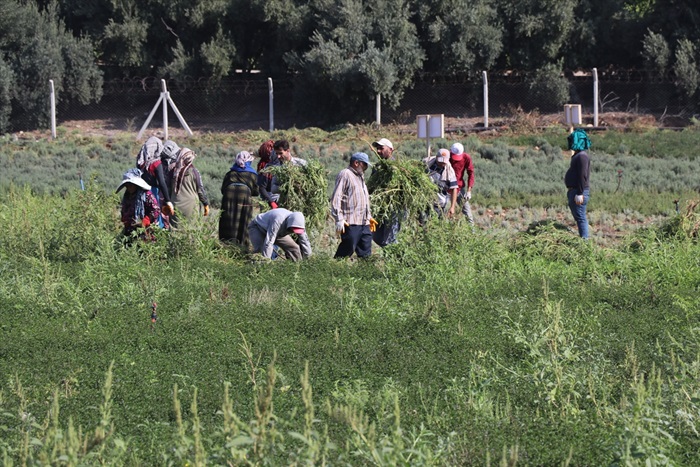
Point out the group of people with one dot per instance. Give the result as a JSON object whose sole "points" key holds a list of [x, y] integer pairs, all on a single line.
{"points": [[278, 227], [162, 189], [452, 171], [165, 185]]}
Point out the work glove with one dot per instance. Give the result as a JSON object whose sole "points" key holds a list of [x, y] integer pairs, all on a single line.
{"points": [[168, 209], [469, 195], [273, 205], [578, 199], [206, 210], [373, 225], [340, 226]]}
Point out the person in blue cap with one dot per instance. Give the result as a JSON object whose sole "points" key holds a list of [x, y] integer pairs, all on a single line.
{"points": [[577, 179], [350, 209]]}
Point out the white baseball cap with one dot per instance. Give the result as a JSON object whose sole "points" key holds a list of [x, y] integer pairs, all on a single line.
{"points": [[383, 142]]}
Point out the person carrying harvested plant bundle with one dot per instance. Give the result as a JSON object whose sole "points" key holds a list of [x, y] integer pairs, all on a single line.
{"points": [[443, 175], [577, 179], [139, 208], [350, 209], [186, 187], [268, 184], [386, 232], [462, 163], [275, 227], [239, 186], [149, 162]]}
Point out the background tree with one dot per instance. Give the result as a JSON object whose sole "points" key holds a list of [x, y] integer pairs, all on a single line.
{"points": [[366, 48], [536, 30], [37, 47], [460, 35]]}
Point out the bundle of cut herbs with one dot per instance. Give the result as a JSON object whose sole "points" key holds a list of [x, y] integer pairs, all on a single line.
{"points": [[303, 188], [400, 187]]}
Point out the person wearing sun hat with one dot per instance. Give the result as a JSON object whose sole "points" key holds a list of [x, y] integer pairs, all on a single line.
{"points": [[139, 208], [275, 227], [350, 209], [462, 164]]}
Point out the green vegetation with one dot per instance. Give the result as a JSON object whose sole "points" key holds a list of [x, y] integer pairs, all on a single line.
{"points": [[340, 62], [506, 344]]}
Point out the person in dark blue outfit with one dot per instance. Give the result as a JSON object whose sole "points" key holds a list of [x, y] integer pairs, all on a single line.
{"points": [[577, 179]]}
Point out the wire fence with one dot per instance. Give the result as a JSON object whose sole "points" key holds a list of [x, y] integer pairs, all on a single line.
{"points": [[244, 104]]}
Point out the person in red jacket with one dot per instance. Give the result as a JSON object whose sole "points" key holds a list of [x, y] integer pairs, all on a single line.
{"points": [[462, 163]]}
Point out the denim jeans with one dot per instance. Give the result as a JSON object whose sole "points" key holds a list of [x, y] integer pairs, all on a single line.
{"points": [[579, 211]]}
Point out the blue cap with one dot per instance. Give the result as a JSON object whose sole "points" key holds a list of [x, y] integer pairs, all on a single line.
{"points": [[362, 157]]}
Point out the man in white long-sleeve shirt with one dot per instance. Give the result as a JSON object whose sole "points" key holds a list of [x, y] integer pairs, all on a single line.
{"points": [[274, 228]]}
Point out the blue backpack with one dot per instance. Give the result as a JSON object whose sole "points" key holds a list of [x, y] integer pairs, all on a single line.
{"points": [[578, 140]]}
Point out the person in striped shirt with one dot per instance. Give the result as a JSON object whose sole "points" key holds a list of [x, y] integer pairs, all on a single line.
{"points": [[350, 209]]}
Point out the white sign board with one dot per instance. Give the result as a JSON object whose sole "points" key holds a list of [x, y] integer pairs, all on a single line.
{"points": [[431, 126]]}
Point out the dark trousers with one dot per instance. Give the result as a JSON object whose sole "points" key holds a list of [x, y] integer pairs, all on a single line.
{"points": [[355, 239]]}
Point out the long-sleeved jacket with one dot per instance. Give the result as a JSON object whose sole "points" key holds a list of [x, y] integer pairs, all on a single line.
{"points": [[350, 200], [277, 223]]}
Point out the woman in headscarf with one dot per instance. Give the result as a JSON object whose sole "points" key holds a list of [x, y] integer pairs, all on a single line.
{"points": [[149, 162], [239, 186], [186, 187], [139, 207]]}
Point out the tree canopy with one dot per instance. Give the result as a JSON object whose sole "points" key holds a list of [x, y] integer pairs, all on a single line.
{"points": [[344, 52]]}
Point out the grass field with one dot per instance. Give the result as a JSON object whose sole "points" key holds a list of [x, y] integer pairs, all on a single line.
{"points": [[498, 345]]}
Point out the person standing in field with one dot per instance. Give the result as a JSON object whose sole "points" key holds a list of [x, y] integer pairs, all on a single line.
{"points": [[149, 162], [139, 208], [275, 227], [350, 209], [577, 179], [462, 164], [238, 189], [387, 232], [267, 183], [443, 175], [186, 187]]}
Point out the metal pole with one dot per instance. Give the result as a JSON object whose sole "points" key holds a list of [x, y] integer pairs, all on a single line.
{"points": [[166, 96], [595, 97], [271, 93], [486, 99], [52, 97], [427, 134], [378, 110]]}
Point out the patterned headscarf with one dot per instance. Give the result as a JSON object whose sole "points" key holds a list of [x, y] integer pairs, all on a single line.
{"points": [[183, 163], [149, 153], [242, 162]]}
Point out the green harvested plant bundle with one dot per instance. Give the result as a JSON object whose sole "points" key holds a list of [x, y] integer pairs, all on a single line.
{"points": [[303, 188], [400, 187]]}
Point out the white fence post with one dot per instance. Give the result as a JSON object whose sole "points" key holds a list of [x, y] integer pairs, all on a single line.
{"points": [[378, 110], [166, 97], [486, 99], [595, 97], [271, 94], [52, 97]]}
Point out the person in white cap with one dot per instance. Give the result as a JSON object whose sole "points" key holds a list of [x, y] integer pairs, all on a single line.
{"points": [[462, 163], [384, 148], [443, 175], [350, 209], [275, 227], [139, 206], [386, 232]]}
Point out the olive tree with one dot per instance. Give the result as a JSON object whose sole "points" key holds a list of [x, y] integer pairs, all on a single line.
{"points": [[37, 48], [366, 48]]}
